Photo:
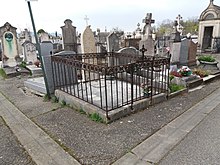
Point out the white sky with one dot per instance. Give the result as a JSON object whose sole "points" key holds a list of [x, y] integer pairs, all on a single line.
{"points": [[124, 14]]}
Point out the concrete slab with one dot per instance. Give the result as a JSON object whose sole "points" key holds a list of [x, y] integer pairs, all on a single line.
{"points": [[35, 71], [36, 84]]}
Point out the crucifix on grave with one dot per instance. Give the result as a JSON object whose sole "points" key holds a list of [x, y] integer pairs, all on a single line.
{"points": [[147, 27], [179, 26], [86, 19]]}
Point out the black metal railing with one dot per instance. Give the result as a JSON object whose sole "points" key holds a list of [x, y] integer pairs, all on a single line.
{"points": [[111, 80]]}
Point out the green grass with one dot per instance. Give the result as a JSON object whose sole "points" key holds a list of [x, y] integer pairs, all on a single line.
{"points": [[82, 111], [96, 117], [23, 64], [175, 87], [2, 73], [54, 99], [46, 98], [206, 58], [63, 103]]}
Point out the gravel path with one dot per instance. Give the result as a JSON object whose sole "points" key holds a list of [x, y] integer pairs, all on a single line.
{"points": [[11, 151]]}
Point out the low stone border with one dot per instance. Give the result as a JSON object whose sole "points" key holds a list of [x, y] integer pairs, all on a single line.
{"points": [[112, 115]]}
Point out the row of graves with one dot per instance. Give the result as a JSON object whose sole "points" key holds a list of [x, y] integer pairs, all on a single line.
{"points": [[97, 75]]}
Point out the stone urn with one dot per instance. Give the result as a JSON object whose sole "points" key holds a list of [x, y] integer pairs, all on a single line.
{"points": [[208, 65]]}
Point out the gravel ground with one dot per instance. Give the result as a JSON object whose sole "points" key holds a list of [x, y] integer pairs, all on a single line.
{"points": [[11, 151], [96, 143]]}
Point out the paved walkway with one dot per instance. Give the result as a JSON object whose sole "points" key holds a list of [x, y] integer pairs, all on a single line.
{"points": [[42, 149], [45, 151], [152, 150]]}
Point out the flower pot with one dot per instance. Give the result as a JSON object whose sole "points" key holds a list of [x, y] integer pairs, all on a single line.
{"points": [[208, 65]]}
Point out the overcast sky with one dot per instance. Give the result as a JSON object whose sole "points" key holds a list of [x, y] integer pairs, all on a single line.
{"points": [[124, 14]]}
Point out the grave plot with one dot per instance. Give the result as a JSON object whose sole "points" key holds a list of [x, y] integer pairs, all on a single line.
{"points": [[103, 84]]}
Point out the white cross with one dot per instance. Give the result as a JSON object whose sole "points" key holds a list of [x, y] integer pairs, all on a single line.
{"points": [[86, 19]]}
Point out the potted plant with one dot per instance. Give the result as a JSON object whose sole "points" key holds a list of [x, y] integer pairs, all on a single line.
{"points": [[208, 62]]}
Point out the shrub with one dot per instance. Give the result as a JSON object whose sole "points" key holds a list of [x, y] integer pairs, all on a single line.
{"points": [[96, 117], [2, 73], [200, 72], [175, 87], [207, 58]]}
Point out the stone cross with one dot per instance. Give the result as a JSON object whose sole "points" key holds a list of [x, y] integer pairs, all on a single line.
{"points": [[148, 21], [178, 18], [86, 19]]}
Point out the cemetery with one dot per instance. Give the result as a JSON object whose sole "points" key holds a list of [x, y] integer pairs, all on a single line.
{"points": [[110, 96], [111, 73]]}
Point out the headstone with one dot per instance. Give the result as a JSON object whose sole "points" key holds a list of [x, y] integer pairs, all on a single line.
{"points": [[192, 53], [8, 37], [175, 36], [147, 40], [88, 46], [129, 50], [29, 51], [188, 52], [44, 37], [69, 36], [46, 48], [175, 53], [147, 32], [112, 42], [184, 51], [88, 41]]}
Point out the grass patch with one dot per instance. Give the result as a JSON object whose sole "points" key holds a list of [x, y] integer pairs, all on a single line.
{"points": [[23, 64], [63, 103], [2, 73], [206, 58], [54, 99], [82, 111], [46, 98], [175, 87], [96, 117]]}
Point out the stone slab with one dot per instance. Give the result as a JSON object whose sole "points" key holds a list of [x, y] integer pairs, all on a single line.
{"points": [[36, 84], [35, 71]]}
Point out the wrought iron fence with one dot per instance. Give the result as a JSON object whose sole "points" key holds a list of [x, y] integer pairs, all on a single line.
{"points": [[111, 80]]}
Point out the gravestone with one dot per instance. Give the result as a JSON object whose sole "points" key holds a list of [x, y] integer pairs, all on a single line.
{"points": [[175, 53], [129, 50], [192, 53], [175, 36], [29, 51], [69, 36], [8, 37], [88, 46], [184, 51], [46, 48], [188, 52], [43, 37], [175, 45], [147, 40], [112, 42], [88, 41]]}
